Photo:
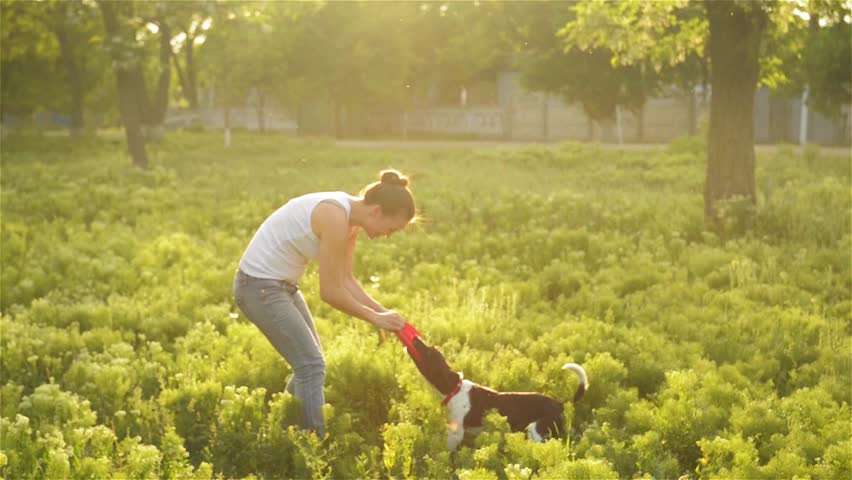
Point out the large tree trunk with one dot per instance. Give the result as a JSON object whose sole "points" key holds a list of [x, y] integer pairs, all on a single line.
{"points": [[735, 33], [131, 115]]}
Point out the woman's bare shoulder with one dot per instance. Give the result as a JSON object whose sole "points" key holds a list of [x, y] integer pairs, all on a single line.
{"points": [[328, 216]]}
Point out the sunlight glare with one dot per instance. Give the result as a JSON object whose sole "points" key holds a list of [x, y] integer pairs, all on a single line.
{"points": [[801, 14], [178, 40]]}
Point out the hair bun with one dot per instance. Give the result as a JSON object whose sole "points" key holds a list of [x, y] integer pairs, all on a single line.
{"points": [[392, 177]]}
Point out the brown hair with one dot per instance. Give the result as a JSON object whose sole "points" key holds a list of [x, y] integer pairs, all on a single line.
{"points": [[391, 193]]}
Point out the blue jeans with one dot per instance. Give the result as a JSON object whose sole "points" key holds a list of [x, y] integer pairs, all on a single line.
{"points": [[279, 311]]}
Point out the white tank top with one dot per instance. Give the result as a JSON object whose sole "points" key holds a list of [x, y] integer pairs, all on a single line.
{"points": [[285, 242]]}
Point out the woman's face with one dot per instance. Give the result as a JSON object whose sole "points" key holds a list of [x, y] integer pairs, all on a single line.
{"points": [[380, 225]]}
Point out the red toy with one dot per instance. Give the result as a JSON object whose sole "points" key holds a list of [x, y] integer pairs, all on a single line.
{"points": [[407, 336]]}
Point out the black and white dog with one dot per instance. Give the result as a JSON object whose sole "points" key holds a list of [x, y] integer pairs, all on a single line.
{"points": [[539, 415]]}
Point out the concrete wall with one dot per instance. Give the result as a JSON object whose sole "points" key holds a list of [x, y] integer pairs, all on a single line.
{"points": [[535, 116], [480, 121]]}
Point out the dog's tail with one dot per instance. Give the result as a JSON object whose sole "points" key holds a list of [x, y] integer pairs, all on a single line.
{"points": [[584, 380]]}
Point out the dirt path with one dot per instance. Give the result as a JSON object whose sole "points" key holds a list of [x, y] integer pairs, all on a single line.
{"points": [[482, 144], [488, 144]]}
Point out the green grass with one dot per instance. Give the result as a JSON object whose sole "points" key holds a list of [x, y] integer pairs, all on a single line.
{"points": [[707, 356]]}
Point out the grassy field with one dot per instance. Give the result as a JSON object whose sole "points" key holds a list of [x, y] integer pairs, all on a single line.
{"points": [[122, 354]]}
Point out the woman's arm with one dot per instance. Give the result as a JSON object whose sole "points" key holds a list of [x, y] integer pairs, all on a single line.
{"points": [[330, 225], [351, 282]]}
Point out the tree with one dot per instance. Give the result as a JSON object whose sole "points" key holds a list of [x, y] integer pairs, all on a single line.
{"points": [[288, 76], [45, 65], [271, 30], [174, 25], [363, 63], [583, 76], [454, 45], [225, 55], [736, 36], [135, 30], [188, 22], [63, 19], [827, 56], [127, 61], [734, 45], [30, 63]]}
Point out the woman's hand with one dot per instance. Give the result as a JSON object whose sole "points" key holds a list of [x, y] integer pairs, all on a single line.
{"points": [[388, 320]]}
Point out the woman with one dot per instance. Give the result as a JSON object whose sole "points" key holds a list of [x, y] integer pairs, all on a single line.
{"points": [[319, 226]]}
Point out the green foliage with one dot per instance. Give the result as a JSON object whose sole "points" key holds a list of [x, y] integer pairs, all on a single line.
{"points": [[803, 44], [585, 77], [194, 407], [825, 56], [361, 386], [53, 409], [175, 464], [239, 426], [123, 355], [399, 446], [43, 43]]}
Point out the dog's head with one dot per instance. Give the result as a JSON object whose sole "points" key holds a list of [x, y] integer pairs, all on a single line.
{"points": [[434, 367]]}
